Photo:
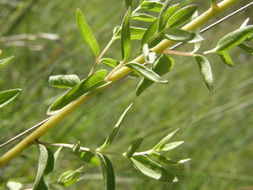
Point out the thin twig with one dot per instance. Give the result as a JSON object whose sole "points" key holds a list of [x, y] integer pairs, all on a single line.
{"points": [[23, 133], [217, 22]]}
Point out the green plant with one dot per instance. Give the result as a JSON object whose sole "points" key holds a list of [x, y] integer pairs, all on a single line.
{"points": [[151, 72]]}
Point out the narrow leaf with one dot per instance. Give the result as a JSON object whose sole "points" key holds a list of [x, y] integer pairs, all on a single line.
{"points": [[63, 81], [108, 171], [166, 13], [147, 73], [162, 66], [225, 57], [86, 33], [181, 16], [5, 61], [149, 35], [136, 33], [171, 146], [126, 36], [133, 147], [151, 169], [109, 62], [233, 39], [70, 177], [205, 70], [164, 141], [115, 130], [143, 17], [162, 159], [88, 84], [179, 35], [8, 95], [46, 165], [154, 6]]}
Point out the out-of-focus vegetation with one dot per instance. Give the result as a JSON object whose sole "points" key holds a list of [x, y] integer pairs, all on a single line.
{"points": [[217, 127]]}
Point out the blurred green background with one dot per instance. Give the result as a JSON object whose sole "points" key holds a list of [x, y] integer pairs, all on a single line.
{"points": [[217, 127]]}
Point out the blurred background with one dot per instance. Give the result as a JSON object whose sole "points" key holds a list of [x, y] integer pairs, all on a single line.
{"points": [[217, 127]]}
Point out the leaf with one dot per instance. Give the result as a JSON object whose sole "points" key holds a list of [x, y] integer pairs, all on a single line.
{"points": [[13, 185], [205, 70], [109, 62], [233, 39], [150, 57], [225, 57], [5, 61], [8, 95], [154, 6], [162, 159], [166, 13], [86, 33], [143, 17], [164, 141], [136, 33], [246, 48], [245, 23], [126, 36], [88, 84], [149, 35], [115, 130], [162, 66], [86, 156], [70, 177], [147, 73], [171, 146], [181, 16], [129, 3], [63, 81], [46, 165], [108, 171], [133, 147], [178, 35], [151, 169]]}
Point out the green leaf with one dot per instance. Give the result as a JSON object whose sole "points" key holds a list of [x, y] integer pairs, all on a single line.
{"points": [[205, 70], [109, 62], [63, 81], [154, 6], [150, 33], [108, 172], [8, 95], [233, 39], [162, 159], [225, 57], [115, 130], [87, 33], [246, 48], [150, 57], [86, 156], [88, 84], [136, 33], [162, 66], [70, 177], [166, 13], [133, 147], [171, 146], [46, 166], [143, 17], [126, 36], [129, 3], [151, 169], [181, 16], [5, 61], [147, 73], [13, 185], [164, 141], [178, 35]]}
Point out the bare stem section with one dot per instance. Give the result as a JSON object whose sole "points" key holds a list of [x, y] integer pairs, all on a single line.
{"points": [[119, 74]]}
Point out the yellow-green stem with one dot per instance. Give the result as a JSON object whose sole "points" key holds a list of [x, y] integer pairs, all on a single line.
{"points": [[122, 72]]}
